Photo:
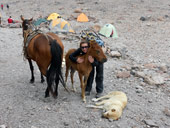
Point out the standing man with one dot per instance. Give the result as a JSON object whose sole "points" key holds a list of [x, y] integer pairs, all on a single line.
{"points": [[7, 6], [2, 6], [84, 45], [0, 19]]}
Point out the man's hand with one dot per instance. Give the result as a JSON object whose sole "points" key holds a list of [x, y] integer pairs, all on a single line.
{"points": [[91, 59], [80, 60]]}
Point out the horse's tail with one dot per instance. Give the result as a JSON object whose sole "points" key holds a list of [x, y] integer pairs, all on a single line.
{"points": [[54, 72]]}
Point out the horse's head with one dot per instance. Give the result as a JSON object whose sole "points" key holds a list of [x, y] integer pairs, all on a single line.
{"points": [[26, 23], [96, 51]]}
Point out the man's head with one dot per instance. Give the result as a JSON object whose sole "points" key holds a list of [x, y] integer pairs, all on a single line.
{"points": [[84, 46]]}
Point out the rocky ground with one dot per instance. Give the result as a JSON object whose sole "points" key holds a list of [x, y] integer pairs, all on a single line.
{"points": [[142, 71]]}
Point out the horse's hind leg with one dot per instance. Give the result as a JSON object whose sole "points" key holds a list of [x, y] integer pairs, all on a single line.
{"points": [[32, 71], [72, 80], [42, 78], [47, 93], [48, 82]]}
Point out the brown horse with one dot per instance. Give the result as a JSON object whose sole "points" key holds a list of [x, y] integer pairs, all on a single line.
{"points": [[84, 68], [46, 49]]}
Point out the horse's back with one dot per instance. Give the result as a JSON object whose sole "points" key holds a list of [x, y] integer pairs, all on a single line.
{"points": [[39, 46], [39, 49], [57, 38], [69, 63], [70, 51]]}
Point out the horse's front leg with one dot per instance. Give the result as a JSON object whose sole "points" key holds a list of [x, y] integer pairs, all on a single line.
{"points": [[82, 87], [32, 71]]}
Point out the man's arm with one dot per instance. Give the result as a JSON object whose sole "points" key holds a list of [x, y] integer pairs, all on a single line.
{"points": [[73, 56], [93, 61]]}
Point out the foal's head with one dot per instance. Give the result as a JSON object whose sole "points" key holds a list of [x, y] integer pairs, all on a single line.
{"points": [[96, 51]]}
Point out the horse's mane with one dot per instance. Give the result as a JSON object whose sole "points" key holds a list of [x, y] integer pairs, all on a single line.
{"points": [[28, 36]]}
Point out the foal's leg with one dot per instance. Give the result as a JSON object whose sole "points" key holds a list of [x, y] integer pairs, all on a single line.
{"points": [[32, 71], [82, 87], [72, 80], [66, 74]]}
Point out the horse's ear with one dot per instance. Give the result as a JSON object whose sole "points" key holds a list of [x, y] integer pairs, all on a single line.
{"points": [[92, 42], [22, 18], [31, 19]]}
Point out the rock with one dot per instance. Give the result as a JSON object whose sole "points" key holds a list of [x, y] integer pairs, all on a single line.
{"points": [[148, 80], [142, 18], [140, 74], [136, 67], [149, 101], [2, 126], [150, 123], [96, 28], [128, 68], [47, 108], [160, 18], [78, 10], [158, 79], [123, 74], [33, 127], [16, 25], [115, 54], [155, 79], [150, 65], [123, 52], [167, 112], [166, 16], [66, 124], [104, 49], [163, 68], [139, 89]]}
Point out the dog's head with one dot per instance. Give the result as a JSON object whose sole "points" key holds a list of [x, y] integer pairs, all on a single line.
{"points": [[113, 113]]}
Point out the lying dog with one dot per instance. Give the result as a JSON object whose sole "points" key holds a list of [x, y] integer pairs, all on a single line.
{"points": [[112, 104]]}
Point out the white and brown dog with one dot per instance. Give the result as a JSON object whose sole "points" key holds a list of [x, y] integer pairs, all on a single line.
{"points": [[112, 104]]}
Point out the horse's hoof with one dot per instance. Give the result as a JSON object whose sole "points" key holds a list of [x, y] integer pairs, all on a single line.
{"points": [[47, 95], [31, 81], [74, 90], [42, 81], [84, 100], [55, 96]]}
